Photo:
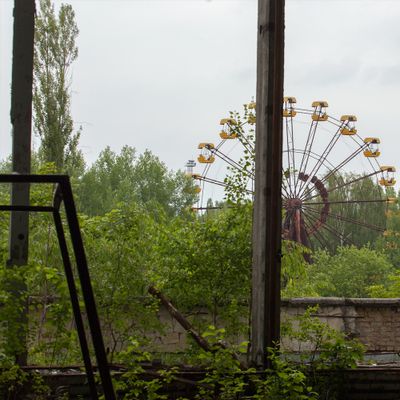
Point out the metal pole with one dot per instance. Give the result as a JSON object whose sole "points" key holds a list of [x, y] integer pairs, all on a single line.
{"points": [[267, 218], [21, 119]]}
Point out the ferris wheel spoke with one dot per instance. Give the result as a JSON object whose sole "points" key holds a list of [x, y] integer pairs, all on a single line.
{"points": [[210, 180], [288, 193], [345, 161], [243, 139], [387, 200], [293, 145], [322, 160], [290, 155], [209, 208], [233, 163], [350, 220], [322, 239], [307, 151], [342, 185], [317, 235], [286, 184], [246, 143], [220, 144], [333, 231]]}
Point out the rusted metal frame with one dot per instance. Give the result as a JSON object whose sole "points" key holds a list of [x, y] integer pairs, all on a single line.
{"points": [[308, 228], [345, 184], [75, 304], [267, 215], [350, 220], [71, 285], [87, 291], [315, 156], [64, 194], [321, 238], [322, 159], [331, 230], [26, 208], [349, 202]]}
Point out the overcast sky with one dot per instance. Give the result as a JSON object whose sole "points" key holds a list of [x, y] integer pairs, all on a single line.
{"points": [[160, 74]]}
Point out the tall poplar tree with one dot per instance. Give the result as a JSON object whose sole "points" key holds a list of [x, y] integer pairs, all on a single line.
{"points": [[55, 51]]}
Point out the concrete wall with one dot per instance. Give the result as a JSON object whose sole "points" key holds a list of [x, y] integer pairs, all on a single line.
{"points": [[375, 322]]}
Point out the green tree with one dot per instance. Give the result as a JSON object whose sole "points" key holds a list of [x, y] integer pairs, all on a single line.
{"points": [[55, 51], [120, 248], [350, 272], [126, 178], [389, 242], [206, 261]]}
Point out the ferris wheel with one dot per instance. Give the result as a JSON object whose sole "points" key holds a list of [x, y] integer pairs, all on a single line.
{"points": [[333, 185]]}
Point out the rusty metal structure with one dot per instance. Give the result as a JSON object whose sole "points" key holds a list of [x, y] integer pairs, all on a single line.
{"points": [[63, 196]]}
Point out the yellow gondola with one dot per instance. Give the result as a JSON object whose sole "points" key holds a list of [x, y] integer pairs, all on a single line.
{"points": [[373, 148], [227, 132], [288, 111], [206, 156], [319, 110], [349, 128], [387, 179]]}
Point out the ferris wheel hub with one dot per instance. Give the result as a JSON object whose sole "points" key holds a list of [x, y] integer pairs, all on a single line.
{"points": [[293, 204]]}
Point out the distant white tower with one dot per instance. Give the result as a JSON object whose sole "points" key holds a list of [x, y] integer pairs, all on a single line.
{"points": [[189, 167]]}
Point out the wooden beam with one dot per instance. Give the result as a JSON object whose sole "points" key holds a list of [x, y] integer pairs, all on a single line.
{"points": [[21, 119], [267, 219]]}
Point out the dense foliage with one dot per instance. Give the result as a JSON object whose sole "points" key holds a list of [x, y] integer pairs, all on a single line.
{"points": [[196, 260]]}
